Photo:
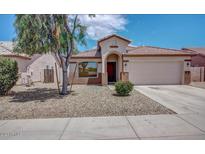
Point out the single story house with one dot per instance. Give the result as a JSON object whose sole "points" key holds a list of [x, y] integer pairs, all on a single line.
{"points": [[114, 59]]}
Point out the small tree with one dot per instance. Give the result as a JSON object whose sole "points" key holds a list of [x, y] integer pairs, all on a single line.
{"points": [[58, 34], [8, 74], [84, 65]]}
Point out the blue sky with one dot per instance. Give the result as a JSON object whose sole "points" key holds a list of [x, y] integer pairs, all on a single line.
{"points": [[171, 31]]}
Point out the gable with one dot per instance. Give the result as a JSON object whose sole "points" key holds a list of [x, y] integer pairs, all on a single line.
{"points": [[113, 44]]}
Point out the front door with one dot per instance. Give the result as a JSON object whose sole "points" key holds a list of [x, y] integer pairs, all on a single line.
{"points": [[111, 71]]}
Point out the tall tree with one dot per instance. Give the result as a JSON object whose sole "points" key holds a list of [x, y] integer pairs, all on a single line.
{"points": [[59, 34]]}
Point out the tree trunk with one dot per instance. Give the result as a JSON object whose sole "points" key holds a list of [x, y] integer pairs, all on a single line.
{"points": [[64, 90]]}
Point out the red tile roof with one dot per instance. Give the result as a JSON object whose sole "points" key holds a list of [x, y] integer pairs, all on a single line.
{"points": [[131, 48], [138, 51], [154, 51], [134, 51], [93, 53]]}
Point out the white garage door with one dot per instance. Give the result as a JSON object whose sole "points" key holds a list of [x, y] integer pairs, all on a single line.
{"points": [[144, 73]]}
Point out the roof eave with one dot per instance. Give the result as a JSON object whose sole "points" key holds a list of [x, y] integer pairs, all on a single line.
{"points": [[155, 55], [82, 57], [19, 56]]}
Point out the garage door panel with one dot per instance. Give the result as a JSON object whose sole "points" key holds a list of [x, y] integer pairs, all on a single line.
{"points": [[143, 73]]}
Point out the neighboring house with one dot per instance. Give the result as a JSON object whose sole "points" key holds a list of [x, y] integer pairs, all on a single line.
{"points": [[114, 59], [197, 63], [37, 66], [31, 68], [199, 59], [6, 50]]}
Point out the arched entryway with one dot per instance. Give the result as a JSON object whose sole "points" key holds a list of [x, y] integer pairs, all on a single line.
{"points": [[112, 67]]}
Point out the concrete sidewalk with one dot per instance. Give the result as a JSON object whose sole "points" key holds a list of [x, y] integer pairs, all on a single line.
{"points": [[181, 126]]}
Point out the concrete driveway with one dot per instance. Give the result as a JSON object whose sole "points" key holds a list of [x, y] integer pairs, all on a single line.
{"points": [[180, 98], [188, 102]]}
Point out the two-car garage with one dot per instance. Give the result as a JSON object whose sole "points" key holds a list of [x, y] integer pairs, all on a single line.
{"points": [[155, 72], [147, 65]]}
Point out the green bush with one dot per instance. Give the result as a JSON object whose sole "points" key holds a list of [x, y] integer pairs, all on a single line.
{"points": [[8, 74], [123, 88]]}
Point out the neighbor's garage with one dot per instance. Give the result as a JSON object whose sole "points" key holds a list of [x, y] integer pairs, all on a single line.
{"points": [[155, 72]]}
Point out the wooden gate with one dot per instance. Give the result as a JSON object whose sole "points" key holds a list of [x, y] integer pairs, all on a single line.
{"points": [[197, 74], [48, 75], [187, 77]]}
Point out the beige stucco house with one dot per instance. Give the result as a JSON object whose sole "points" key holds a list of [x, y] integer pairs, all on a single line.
{"points": [[31, 68], [114, 59]]}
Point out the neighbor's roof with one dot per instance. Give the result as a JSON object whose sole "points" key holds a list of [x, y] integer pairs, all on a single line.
{"points": [[6, 49], [137, 51], [195, 50]]}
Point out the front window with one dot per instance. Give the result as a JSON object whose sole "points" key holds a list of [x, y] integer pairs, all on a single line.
{"points": [[87, 69]]}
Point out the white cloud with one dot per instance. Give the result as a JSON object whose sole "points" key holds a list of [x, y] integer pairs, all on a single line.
{"points": [[102, 25]]}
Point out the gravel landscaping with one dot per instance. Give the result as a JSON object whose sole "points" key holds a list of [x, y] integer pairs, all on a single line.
{"points": [[43, 101]]}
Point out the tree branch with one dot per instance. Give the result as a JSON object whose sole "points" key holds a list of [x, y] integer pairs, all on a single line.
{"points": [[70, 49], [66, 24]]}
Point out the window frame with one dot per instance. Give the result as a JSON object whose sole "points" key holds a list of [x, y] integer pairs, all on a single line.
{"points": [[88, 76]]}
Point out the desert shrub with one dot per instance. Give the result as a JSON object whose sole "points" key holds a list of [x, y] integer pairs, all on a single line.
{"points": [[8, 74], [123, 88]]}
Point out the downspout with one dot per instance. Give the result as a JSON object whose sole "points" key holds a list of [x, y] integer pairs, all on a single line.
{"points": [[122, 68]]}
